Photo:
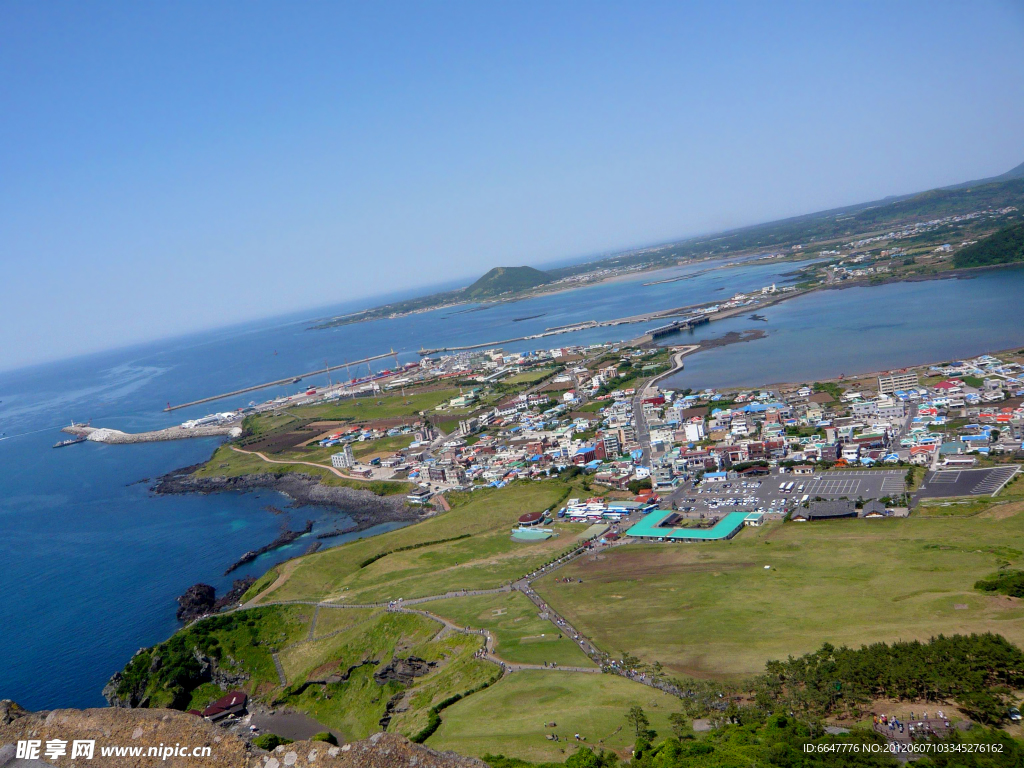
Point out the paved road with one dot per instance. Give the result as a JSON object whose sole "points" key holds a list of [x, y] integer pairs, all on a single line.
{"points": [[644, 390]]}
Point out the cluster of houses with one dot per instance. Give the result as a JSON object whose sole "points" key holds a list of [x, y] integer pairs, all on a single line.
{"points": [[943, 416]]}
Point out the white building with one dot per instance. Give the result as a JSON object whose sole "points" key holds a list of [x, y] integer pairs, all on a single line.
{"points": [[343, 460], [694, 432]]}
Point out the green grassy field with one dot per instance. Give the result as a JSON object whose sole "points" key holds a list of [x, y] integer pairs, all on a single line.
{"points": [[529, 377], [362, 642], [458, 672], [241, 642], [487, 558], [714, 610], [373, 635], [510, 717], [379, 407], [385, 446], [227, 462], [523, 637]]}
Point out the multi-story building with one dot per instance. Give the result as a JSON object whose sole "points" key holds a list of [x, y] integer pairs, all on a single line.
{"points": [[344, 459], [894, 381]]}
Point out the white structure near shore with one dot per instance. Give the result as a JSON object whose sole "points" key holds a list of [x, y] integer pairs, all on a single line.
{"points": [[344, 459]]}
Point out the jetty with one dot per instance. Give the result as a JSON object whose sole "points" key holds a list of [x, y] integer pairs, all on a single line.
{"points": [[117, 437], [280, 382]]}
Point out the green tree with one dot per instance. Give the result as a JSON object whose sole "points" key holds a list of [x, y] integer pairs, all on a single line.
{"points": [[637, 718], [679, 724]]}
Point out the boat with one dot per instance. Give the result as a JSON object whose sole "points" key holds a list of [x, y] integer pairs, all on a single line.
{"points": [[72, 441]]}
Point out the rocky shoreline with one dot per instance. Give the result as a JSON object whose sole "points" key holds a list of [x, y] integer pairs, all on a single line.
{"points": [[286, 537], [363, 506]]}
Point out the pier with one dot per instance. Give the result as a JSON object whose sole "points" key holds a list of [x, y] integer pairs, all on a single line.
{"points": [[281, 382], [117, 437]]}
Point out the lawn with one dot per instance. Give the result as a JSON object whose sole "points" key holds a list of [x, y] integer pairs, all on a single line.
{"points": [[510, 717], [486, 558], [523, 637], [714, 610]]}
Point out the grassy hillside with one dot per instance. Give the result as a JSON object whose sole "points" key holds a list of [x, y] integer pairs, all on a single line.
{"points": [[504, 279], [483, 556], [1004, 247], [512, 716]]}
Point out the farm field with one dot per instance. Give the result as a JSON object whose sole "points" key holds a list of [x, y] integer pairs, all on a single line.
{"points": [[523, 637], [510, 717], [473, 551], [714, 610]]}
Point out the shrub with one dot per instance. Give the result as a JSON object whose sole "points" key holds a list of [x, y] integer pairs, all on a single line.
{"points": [[270, 741]]}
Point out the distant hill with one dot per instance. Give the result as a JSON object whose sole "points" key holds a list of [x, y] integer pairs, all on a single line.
{"points": [[1010, 175], [504, 279], [1003, 247]]}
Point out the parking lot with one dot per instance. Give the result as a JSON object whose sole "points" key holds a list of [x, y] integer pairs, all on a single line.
{"points": [[965, 482], [773, 494]]}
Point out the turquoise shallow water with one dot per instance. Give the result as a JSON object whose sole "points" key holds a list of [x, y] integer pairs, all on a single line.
{"points": [[92, 561]]}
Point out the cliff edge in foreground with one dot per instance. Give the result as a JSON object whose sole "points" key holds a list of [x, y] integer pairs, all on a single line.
{"points": [[141, 729]]}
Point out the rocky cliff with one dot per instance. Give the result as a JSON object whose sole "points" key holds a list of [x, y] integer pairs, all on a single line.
{"points": [[163, 729]]}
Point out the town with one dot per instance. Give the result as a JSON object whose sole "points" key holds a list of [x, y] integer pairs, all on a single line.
{"points": [[707, 461]]}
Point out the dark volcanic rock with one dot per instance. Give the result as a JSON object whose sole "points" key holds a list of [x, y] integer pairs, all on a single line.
{"points": [[363, 506], [130, 699], [402, 671], [197, 601], [10, 711], [238, 588], [286, 537]]}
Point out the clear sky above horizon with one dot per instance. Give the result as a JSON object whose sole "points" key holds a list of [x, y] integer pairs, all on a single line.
{"points": [[168, 167]]}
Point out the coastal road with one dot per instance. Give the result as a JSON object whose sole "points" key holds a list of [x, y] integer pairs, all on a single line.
{"points": [[643, 432]]}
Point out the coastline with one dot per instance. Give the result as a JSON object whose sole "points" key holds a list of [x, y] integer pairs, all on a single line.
{"points": [[964, 273], [364, 507], [538, 291]]}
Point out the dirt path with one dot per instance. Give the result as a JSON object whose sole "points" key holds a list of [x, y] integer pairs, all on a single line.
{"points": [[294, 461]]}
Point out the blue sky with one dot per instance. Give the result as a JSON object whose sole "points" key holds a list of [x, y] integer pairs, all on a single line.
{"points": [[174, 166]]}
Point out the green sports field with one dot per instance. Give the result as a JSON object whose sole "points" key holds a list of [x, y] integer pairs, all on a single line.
{"points": [[715, 610]]}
